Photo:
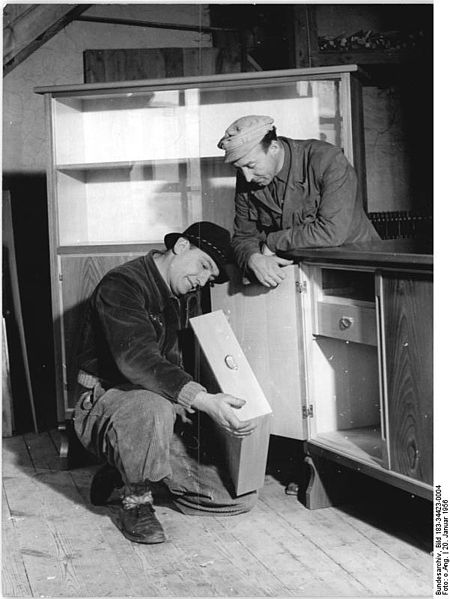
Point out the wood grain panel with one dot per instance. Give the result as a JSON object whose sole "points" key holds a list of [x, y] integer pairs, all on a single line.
{"points": [[267, 324], [408, 328], [246, 457], [80, 274]]}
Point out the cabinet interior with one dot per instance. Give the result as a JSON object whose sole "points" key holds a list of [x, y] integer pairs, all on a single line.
{"points": [[343, 363]]}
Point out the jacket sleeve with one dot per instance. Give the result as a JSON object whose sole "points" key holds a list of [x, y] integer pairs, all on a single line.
{"points": [[132, 340], [331, 223]]}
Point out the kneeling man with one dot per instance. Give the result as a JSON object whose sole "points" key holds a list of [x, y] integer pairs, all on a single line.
{"points": [[138, 407]]}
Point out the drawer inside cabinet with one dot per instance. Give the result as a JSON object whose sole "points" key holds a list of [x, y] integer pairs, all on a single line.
{"points": [[347, 322]]}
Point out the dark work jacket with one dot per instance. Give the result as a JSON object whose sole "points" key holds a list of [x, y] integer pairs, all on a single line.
{"points": [[321, 208], [131, 332]]}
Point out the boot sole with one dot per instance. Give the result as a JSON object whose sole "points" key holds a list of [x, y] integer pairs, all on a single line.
{"points": [[143, 540]]}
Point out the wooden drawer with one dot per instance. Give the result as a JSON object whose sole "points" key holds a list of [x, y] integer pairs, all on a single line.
{"points": [[347, 322]]}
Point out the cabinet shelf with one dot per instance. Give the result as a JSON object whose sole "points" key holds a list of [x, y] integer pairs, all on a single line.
{"points": [[125, 164], [113, 248]]}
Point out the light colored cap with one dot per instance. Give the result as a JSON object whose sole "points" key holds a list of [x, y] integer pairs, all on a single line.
{"points": [[243, 135]]}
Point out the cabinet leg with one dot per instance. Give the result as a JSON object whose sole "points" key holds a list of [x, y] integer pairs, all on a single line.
{"points": [[71, 453], [64, 446], [325, 484], [316, 495]]}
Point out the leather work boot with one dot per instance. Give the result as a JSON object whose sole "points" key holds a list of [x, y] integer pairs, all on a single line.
{"points": [[139, 524], [104, 482]]}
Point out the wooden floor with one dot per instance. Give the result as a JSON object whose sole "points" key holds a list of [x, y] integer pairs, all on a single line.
{"points": [[55, 544]]}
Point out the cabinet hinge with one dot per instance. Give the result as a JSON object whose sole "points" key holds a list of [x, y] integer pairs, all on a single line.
{"points": [[308, 411], [60, 277], [301, 286]]}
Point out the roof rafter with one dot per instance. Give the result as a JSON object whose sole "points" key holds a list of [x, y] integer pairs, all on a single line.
{"points": [[33, 27]]}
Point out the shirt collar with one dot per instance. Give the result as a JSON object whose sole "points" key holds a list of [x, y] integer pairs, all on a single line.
{"points": [[164, 292], [284, 173]]}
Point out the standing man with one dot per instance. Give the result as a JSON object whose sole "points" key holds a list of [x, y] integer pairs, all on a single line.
{"points": [[138, 408], [290, 194]]}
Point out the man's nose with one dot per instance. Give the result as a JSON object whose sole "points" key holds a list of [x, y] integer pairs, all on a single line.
{"points": [[203, 278], [247, 174]]}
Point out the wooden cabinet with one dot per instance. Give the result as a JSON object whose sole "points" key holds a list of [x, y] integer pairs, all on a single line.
{"points": [[131, 161], [360, 318]]}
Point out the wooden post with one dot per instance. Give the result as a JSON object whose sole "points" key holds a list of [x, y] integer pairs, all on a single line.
{"points": [[8, 242], [304, 42], [7, 400]]}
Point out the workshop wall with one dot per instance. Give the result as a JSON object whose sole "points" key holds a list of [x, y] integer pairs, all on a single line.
{"points": [[398, 143]]}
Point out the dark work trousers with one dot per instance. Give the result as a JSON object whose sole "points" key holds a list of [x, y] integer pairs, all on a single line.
{"points": [[150, 439]]}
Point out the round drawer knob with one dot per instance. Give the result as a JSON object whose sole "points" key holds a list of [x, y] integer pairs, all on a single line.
{"points": [[230, 362], [345, 322]]}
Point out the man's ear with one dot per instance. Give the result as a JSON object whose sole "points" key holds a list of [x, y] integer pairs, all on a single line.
{"points": [[275, 146], [181, 245]]}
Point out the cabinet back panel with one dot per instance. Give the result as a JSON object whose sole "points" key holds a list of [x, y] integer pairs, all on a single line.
{"points": [[174, 124], [344, 379], [124, 205]]}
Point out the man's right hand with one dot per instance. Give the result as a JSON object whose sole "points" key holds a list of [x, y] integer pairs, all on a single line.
{"points": [[221, 408], [268, 269]]}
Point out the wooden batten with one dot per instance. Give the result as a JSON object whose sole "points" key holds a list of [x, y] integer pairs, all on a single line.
{"points": [[246, 457]]}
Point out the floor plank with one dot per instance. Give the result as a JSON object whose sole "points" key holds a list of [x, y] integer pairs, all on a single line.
{"points": [[373, 557], [42, 450], [58, 545], [300, 564], [14, 576]]}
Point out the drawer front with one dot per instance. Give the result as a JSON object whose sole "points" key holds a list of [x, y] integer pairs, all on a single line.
{"points": [[346, 322]]}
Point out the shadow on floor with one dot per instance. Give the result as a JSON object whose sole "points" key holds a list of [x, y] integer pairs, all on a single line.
{"points": [[397, 512]]}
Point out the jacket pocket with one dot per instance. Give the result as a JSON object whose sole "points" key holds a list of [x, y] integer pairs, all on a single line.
{"points": [[265, 219]]}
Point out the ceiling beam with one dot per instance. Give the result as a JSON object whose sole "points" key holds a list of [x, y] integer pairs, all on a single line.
{"points": [[154, 24], [33, 27]]}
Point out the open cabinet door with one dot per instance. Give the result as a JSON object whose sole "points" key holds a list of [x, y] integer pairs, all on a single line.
{"points": [[246, 457], [268, 324]]}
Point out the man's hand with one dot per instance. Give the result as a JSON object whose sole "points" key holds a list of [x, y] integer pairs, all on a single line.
{"points": [[221, 408], [268, 269]]}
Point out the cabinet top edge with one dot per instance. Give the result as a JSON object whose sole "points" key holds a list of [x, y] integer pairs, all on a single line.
{"points": [[199, 80], [392, 252]]}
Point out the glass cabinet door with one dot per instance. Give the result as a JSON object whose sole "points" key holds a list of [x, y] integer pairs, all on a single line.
{"points": [[300, 109], [133, 163], [125, 167]]}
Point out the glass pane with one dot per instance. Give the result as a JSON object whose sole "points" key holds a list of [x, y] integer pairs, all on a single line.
{"points": [[301, 110], [136, 204], [131, 166], [129, 127]]}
